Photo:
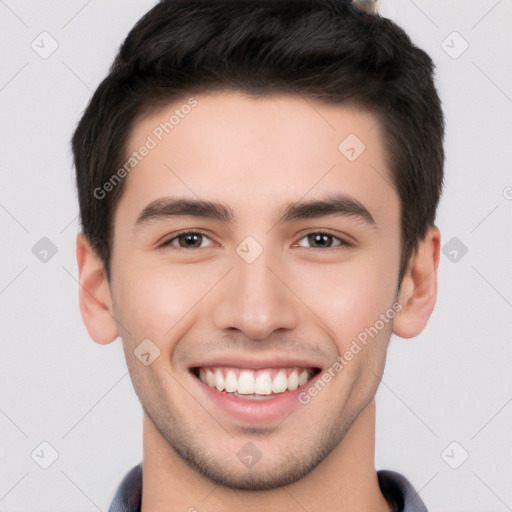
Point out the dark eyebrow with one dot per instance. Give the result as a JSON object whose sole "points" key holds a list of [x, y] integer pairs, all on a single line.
{"points": [[331, 205], [170, 207]]}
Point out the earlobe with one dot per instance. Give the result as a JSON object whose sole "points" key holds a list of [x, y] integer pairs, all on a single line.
{"points": [[418, 290], [95, 299]]}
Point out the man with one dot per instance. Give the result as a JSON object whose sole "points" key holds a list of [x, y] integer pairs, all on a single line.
{"points": [[258, 184]]}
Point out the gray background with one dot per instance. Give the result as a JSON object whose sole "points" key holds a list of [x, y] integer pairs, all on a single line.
{"points": [[445, 395]]}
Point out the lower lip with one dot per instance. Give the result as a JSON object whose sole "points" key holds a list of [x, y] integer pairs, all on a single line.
{"points": [[247, 410]]}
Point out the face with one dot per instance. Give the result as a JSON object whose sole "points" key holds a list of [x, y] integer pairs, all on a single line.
{"points": [[253, 251]]}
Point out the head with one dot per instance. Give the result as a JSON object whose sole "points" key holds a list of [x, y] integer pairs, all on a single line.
{"points": [[248, 105]]}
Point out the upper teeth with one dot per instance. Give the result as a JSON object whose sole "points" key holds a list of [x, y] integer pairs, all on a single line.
{"points": [[258, 382]]}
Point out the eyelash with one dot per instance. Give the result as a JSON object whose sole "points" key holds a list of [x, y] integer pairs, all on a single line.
{"points": [[343, 243]]}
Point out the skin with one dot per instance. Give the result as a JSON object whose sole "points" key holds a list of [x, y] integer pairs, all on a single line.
{"points": [[256, 155]]}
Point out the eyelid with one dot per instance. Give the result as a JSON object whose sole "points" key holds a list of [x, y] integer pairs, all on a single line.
{"points": [[174, 236], [344, 242]]}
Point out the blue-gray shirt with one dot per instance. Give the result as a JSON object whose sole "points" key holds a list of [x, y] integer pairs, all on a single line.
{"points": [[395, 488]]}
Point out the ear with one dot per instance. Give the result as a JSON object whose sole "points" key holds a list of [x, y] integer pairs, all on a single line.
{"points": [[418, 290], [94, 294]]}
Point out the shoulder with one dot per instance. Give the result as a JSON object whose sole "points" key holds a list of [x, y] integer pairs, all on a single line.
{"points": [[399, 492], [129, 493]]}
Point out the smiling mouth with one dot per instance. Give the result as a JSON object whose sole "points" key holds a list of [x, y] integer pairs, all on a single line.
{"points": [[258, 384]]}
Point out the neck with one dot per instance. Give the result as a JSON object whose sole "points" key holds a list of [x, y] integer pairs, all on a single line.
{"points": [[344, 481]]}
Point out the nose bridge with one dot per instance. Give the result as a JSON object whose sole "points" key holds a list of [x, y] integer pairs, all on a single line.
{"points": [[253, 298]]}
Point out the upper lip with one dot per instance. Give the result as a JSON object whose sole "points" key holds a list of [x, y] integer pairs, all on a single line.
{"points": [[258, 363]]}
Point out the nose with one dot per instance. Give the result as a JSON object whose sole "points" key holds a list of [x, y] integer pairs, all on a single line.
{"points": [[257, 298]]}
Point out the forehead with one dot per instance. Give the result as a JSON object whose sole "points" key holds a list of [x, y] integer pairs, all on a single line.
{"points": [[229, 117], [246, 149]]}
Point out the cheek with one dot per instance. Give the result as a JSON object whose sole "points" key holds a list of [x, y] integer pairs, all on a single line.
{"points": [[347, 297], [152, 299]]}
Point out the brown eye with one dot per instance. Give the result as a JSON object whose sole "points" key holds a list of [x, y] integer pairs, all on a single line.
{"points": [[320, 240], [187, 240]]}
